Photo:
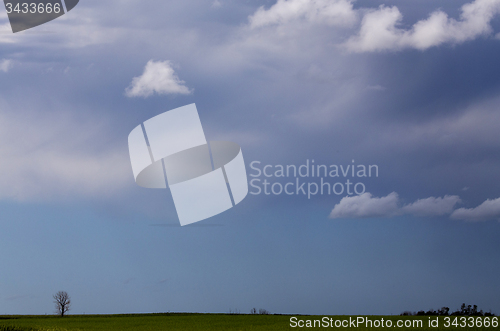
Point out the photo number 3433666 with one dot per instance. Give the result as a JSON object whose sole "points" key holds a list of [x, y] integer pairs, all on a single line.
{"points": [[25, 14]]}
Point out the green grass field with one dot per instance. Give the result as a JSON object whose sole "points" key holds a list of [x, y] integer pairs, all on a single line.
{"points": [[208, 322]]}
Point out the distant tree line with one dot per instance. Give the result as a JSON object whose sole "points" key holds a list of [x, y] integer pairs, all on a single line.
{"points": [[465, 310], [261, 311], [253, 311]]}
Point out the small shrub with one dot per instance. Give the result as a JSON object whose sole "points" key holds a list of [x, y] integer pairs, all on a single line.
{"points": [[234, 311]]}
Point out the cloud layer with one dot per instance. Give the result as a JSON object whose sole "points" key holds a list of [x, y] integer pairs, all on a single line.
{"points": [[158, 77], [331, 12], [488, 210], [432, 206], [379, 29], [5, 65], [51, 157], [367, 206]]}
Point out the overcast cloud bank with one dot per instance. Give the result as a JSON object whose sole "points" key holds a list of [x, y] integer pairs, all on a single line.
{"points": [[285, 89], [50, 158]]}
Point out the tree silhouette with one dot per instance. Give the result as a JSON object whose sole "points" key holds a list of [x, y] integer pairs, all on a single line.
{"points": [[465, 310], [62, 302]]}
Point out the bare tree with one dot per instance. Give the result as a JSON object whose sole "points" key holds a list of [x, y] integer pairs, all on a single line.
{"points": [[62, 301]]}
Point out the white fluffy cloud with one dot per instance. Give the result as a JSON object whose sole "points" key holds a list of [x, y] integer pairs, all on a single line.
{"points": [[432, 206], [5, 65], [488, 210], [157, 77], [379, 28], [365, 206], [332, 12]]}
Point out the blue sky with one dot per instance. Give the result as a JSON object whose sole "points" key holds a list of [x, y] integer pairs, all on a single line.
{"points": [[410, 86]]}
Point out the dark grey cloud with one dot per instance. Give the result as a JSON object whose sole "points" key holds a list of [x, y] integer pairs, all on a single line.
{"points": [[285, 93]]}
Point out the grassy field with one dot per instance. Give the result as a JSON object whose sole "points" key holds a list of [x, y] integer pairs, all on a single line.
{"points": [[206, 322]]}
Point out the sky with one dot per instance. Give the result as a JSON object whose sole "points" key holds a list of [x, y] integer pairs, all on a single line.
{"points": [[410, 87]]}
